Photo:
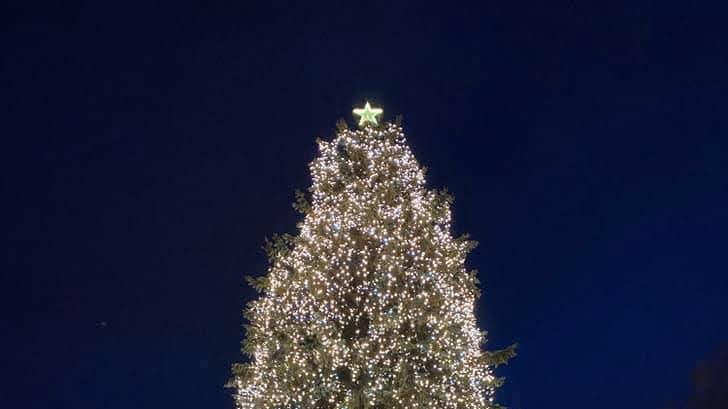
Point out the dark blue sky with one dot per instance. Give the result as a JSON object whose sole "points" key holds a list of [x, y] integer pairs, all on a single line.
{"points": [[149, 148]]}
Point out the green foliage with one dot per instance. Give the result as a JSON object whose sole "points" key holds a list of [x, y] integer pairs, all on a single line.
{"points": [[444, 196], [465, 243], [501, 356], [398, 120], [373, 290], [259, 283], [278, 246], [301, 204], [473, 283], [342, 125]]}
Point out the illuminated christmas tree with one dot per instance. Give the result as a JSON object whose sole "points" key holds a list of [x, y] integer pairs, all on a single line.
{"points": [[370, 305]]}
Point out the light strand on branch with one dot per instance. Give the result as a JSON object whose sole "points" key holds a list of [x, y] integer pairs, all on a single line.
{"points": [[370, 304]]}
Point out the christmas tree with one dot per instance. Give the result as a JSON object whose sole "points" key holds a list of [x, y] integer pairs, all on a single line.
{"points": [[370, 305]]}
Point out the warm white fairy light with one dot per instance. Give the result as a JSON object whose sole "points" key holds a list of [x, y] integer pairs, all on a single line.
{"points": [[371, 306]]}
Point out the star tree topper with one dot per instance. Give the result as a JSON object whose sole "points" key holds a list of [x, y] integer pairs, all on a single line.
{"points": [[367, 114]]}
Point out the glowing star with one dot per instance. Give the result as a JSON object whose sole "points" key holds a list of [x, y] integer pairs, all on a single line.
{"points": [[367, 114]]}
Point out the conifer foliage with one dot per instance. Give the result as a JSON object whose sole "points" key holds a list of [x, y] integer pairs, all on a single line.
{"points": [[370, 304]]}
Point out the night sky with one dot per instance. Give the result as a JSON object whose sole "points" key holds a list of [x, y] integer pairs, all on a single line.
{"points": [[148, 150]]}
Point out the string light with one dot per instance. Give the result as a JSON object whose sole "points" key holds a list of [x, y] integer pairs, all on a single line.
{"points": [[370, 305]]}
